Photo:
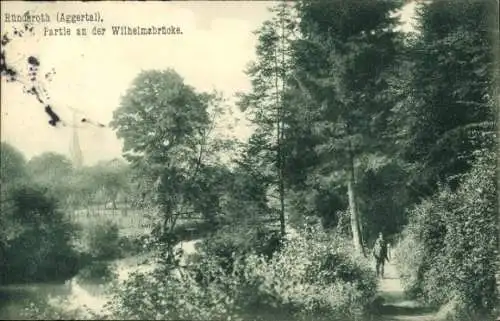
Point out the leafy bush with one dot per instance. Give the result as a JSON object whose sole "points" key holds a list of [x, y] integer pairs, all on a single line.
{"points": [[409, 254], [317, 275], [165, 294], [41, 248], [99, 272], [421, 244], [314, 275], [132, 245], [104, 241], [232, 241], [455, 232]]}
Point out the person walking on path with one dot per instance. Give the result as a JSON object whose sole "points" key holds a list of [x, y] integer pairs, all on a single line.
{"points": [[380, 254]]}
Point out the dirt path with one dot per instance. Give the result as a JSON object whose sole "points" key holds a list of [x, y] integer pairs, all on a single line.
{"points": [[395, 306]]}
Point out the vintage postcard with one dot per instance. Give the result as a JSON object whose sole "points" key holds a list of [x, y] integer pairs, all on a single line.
{"points": [[249, 160]]}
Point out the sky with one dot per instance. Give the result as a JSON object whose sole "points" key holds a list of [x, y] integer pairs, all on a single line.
{"points": [[93, 72]]}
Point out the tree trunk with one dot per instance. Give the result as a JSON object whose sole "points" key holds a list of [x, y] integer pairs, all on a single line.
{"points": [[280, 169], [351, 193], [282, 199], [356, 233], [279, 153], [282, 130]]}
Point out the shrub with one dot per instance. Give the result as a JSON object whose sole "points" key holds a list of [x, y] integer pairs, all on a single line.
{"points": [[130, 246], [99, 272], [456, 231], [41, 249], [314, 275], [421, 245], [317, 275], [165, 294], [409, 253], [231, 242], [103, 241]]}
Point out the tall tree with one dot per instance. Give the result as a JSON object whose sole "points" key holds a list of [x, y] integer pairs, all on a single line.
{"points": [[41, 249], [266, 102], [448, 133], [111, 177], [249, 186], [448, 108], [52, 171], [82, 188], [166, 127], [12, 173], [12, 164], [347, 51]]}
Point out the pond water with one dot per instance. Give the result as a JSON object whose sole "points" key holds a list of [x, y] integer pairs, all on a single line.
{"points": [[14, 298]]}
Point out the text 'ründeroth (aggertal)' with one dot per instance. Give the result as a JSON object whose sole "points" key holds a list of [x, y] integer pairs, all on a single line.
{"points": [[61, 17]]}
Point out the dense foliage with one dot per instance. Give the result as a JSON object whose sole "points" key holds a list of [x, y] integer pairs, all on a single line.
{"points": [[314, 275], [455, 232], [167, 131], [365, 129], [41, 248], [38, 241], [359, 129], [12, 164], [51, 170], [103, 241], [448, 106], [449, 124]]}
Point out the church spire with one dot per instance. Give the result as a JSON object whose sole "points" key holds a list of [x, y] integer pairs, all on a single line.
{"points": [[75, 151]]}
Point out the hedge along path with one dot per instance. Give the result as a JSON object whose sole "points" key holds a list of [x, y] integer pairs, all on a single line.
{"points": [[395, 306]]}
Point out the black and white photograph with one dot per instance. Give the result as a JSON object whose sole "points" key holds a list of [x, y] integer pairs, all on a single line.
{"points": [[308, 160]]}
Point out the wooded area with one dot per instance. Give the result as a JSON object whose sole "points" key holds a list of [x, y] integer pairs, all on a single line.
{"points": [[360, 128]]}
